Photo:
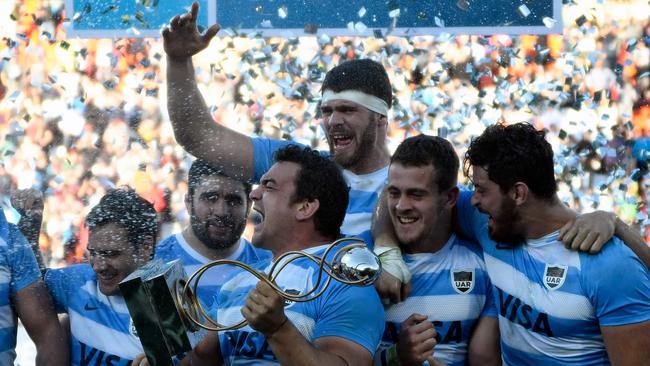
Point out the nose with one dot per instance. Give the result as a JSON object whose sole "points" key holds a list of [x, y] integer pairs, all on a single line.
{"points": [[219, 208], [474, 200], [402, 204], [335, 119], [98, 263], [255, 194]]}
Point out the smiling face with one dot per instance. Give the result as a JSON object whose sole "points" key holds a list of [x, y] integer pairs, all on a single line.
{"points": [[218, 208], [113, 257], [419, 212], [352, 133], [504, 218], [273, 203]]}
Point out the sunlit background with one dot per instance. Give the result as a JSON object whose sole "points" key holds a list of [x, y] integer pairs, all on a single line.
{"points": [[80, 116]]}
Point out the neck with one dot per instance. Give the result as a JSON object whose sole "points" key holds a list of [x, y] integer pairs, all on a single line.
{"points": [[300, 242], [541, 218], [435, 241], [378, 158], [204, 250]]}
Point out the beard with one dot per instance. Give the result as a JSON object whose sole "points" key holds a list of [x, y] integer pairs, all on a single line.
{"points": [[504, 228], [363, 149], [202, 232]]}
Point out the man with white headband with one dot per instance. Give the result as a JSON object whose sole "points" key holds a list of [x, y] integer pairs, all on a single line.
{"points": [[356, 98]]}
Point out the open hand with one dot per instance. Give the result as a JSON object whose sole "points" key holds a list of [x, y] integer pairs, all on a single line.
{"points": [[182, 38]]}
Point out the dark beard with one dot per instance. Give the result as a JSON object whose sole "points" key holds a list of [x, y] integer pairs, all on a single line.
{"points": [[503, 231], [364, 149], [200, 230]]}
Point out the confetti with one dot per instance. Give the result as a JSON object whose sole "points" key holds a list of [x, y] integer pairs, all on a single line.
{"points": [[523, 10]]}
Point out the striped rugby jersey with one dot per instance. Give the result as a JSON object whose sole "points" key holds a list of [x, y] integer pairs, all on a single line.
{"points": [[364, 189], [18, 270], [350, 312], [552, 301], [452, 288], [101, 329], [176, 247]]}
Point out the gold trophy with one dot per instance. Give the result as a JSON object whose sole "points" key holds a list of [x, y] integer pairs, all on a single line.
{"points": [[170, 320]]}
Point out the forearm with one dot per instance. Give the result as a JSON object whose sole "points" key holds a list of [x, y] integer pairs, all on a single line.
{"points": [[634, 241], [52, 349], [186, 105], [195, 129], [292, 349], [383, 232]]}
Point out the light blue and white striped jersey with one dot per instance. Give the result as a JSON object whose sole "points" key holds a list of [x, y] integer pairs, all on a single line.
{"points": [[364, 189], [350, 312], [101, 329], [18, 270], [552, 301], [176, 247], [450, 287]]}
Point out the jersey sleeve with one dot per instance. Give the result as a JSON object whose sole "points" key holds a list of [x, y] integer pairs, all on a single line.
{"points": [[57, 284], [490, 307], [353, 313], [24, 269], [470, 220], [263, 152], [618, 285]]}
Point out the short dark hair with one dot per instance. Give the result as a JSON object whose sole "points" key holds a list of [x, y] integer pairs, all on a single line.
{"points": [[423, 150], [126, 208], [514, 153], [364, 75], [319, 178], [200, 168]]}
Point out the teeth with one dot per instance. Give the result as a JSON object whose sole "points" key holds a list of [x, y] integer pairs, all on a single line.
{"points": [[406, 220]]}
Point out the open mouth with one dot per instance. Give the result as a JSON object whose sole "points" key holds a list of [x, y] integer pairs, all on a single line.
{"points": [[340, 140], [405, 220], [257, 216]]}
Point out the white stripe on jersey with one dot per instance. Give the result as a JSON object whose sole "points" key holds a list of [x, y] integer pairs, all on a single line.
{"points": [[523, 340], [100, 336], [438, 307], [356, 223], [517, 284]]}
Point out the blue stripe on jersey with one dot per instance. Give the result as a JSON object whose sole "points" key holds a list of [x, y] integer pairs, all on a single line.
{"points": [[176, 247], [350, 312], [364, 189], [552, 302], [101, 329], [453, 307], [18, 270]]}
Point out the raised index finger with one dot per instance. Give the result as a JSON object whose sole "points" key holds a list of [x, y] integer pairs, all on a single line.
{"points": [[194, 11]]}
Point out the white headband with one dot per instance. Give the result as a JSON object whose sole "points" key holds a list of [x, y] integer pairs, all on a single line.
{"points": [[369, 101]]}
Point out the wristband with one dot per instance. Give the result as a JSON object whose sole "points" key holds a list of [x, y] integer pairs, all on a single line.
{"points": [[393, 263]]}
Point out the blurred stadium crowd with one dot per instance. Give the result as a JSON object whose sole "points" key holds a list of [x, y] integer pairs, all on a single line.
{"points": [[79, 116]]}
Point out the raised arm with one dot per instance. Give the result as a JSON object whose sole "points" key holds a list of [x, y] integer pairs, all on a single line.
{"points": [[29, 204], [193, 125]]}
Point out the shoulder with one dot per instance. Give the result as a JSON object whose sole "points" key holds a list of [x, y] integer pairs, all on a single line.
{"points": [[76, 273], [167, 247]]}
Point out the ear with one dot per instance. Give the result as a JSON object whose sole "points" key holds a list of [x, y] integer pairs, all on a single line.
{"points": [[307, 209], [147, 248], [451, 197], [382, 121], [188, 202], [519, 193]]}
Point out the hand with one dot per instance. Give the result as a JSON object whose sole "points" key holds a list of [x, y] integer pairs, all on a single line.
{"points": [[141, 360], [264, 309], [391, 288], [182, 38], [417, 339], [28, 202], [588, 232]]}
